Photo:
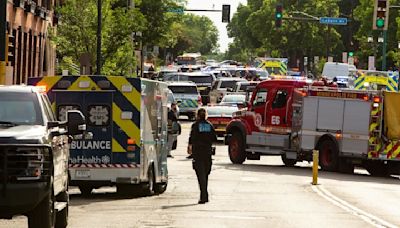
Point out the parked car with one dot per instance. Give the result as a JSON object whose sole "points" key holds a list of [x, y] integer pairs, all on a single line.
{"points": [[187, 96], [221, 87], [220, 116]]}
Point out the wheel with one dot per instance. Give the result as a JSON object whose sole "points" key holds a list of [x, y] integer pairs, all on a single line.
{"points": [[62, 216], [151, 185], [288, 162], [236, 148], [43, 216], [328, 155], [86, 190], [377, 169], [160, 188]]}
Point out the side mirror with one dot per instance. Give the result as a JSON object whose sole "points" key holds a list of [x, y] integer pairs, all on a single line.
{"points": [[75, 122]]}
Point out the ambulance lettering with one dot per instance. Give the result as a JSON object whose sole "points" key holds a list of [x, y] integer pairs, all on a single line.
{"points": [[90, 145]]}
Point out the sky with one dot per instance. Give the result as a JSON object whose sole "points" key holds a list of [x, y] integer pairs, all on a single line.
{"points": [[216, 17]]}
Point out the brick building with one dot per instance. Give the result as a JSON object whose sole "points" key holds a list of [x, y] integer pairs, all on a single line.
{"points": [[30, 52]]}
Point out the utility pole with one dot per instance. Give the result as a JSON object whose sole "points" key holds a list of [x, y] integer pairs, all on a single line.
{"points": [[99, 16], [3, 34]]}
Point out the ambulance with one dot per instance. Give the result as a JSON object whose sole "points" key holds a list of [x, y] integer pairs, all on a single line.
{"points": [[126, 144]]}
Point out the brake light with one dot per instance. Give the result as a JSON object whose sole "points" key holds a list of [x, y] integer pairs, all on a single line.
{"points": [[366, 98], [131, 141]]}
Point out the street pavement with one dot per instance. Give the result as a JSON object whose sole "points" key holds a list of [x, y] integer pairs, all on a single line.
{"points": [[256, 194]]}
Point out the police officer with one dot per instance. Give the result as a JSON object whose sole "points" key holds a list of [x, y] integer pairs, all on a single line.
{"points": [[172, 123], [201, 138]]}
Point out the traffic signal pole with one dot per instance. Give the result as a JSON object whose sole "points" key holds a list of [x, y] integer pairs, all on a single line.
{"points": [[384, 50], [3, 34]]}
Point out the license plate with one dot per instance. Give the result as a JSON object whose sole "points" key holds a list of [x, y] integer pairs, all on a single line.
{"points": [[82, 173]]}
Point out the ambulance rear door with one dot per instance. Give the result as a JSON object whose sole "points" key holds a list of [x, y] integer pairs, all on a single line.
{"points": [[95, 151]]}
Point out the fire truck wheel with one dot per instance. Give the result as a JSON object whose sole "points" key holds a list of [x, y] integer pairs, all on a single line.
{"points": [[85, 190], [377, 169], [328, 155], [288, 162], [236, 148]]}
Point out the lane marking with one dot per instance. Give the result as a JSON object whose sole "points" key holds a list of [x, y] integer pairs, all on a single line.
{"points": [[239, 217], [367, 217]]}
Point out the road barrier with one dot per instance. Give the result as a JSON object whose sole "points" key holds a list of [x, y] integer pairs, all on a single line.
{"points": [[315, 167]]}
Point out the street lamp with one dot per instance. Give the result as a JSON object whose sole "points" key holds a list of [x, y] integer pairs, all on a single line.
{"points": [[370, 39], [380, 39]]}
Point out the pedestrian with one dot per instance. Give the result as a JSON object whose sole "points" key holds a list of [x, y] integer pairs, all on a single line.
{"points": [[173, 127], [201, 138]]}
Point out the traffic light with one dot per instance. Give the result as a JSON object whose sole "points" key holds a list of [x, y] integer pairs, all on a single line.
{"points": [[351, 54], [10, 45], [226, 13], [278, 15], [381, 15]]}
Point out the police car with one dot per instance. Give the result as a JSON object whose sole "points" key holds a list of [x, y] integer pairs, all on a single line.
{"points": [[187, 97]]}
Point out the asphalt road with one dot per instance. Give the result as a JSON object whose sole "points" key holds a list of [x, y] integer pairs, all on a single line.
{"points": [[256, 194]]}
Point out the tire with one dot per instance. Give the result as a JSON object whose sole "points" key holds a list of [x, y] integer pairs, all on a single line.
{"points": [[377, 169], [288, 162], [160, 188], [62, 216], [86, 190], [236, 150], [43, 215], [328, 155], [152, 183]]}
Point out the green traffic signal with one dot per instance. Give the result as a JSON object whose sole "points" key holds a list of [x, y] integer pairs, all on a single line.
{"points": [[380, 23], [278, 15], [351, 54]]}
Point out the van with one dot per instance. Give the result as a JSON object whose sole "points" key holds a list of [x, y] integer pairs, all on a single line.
{"points": [[340, 71]]}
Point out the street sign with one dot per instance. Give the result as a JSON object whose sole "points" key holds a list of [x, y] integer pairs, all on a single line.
{"points": [[333, 20]]}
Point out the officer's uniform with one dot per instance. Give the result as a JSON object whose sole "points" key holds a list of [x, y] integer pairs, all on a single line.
{"points": [[201, 138]]}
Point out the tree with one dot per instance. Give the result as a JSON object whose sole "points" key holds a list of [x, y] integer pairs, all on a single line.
{"points": [[77, 34], [253, 29], [195, 34]]}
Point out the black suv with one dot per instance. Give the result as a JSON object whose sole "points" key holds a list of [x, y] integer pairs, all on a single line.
{"points": [[34, 156]]}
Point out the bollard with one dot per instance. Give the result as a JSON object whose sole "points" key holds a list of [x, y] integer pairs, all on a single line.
{"points": [[315, 167]]}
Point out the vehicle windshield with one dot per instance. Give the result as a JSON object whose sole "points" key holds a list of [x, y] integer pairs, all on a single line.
{"points": [[234, 99], [228, 84], [20, 109], [201, 79], [183, 89], [242, 87], [221, 111]]}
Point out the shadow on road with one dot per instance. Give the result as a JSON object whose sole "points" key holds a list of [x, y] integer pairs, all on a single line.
{"points": [[78, 199], [306, 172], [179, 205]]}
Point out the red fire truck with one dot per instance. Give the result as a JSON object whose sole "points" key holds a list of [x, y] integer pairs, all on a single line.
{"points": [[290, 118]]}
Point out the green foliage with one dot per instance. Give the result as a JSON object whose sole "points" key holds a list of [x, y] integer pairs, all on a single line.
{"points": [[253, 29], [77, 34], [195, 34]]}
